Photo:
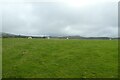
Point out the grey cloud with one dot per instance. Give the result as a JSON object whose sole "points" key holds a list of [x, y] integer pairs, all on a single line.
{"points": [[58, 19]]}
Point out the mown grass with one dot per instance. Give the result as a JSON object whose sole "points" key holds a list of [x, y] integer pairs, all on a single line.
{"points": [[42, 58]]}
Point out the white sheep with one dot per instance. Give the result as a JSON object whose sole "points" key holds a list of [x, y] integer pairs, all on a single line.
{"points": [[48, 37], [29, 37]]}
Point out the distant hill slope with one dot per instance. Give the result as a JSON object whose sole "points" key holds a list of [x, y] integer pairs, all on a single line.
{"points": [[9, 35], [0, 34]]}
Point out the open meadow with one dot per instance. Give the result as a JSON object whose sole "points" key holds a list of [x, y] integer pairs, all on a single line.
{"points": [[0, 58], [59, 58]]}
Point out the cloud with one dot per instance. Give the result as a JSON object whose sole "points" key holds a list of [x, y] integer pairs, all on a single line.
{"points": [[57, 18]]}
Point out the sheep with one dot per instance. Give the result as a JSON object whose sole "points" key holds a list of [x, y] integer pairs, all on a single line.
{"points": [[48, 37], [67, 38], [110, 39], [29, 37]]}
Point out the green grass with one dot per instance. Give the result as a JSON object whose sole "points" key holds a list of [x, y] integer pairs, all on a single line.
{"points": [[0, 58], [42, 58]]}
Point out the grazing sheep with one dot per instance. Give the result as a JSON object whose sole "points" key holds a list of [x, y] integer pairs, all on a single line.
{"points": [[29, 37], [48, 37]]}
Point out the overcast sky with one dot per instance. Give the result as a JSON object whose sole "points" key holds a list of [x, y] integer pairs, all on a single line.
{"points": [[61, 17]]}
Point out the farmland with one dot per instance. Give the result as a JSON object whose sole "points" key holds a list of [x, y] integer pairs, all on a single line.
{"points": [[0, 58], [59, 58]]}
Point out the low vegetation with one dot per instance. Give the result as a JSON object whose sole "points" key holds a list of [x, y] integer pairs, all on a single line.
{"points": [[0, 58], [59, 58]]}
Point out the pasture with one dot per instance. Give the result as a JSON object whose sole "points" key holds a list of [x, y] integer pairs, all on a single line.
{"points": [[59, 58], [0, 58]]}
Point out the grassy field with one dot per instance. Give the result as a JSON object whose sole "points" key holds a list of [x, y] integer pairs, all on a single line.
{"points": [[42, 58], [0, 58]]}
